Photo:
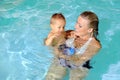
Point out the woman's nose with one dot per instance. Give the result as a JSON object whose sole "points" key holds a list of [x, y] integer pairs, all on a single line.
{"points": [[76, 26]]}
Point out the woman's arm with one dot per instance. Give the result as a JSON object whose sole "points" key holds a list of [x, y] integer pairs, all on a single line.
{"points": [[93, 48], [89, 53]]}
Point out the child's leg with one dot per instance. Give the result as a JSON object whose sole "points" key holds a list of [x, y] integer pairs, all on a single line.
{"points": [[78, 74], [56, 72]]}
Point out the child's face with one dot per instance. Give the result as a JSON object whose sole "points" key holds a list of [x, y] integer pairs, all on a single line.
{"points": [[57, 25]]}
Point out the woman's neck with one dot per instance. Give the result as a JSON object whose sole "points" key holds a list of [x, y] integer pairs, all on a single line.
{"points": [[85, 37]]}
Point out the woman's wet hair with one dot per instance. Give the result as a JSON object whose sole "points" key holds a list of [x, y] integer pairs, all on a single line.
{"points": [[94, 21]]}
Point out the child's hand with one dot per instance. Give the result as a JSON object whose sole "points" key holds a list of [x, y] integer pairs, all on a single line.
{"points": [[54, 35]]}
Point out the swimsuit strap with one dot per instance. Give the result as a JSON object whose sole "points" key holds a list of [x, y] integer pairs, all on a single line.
{"points": [[84, 47], [69, 42]]}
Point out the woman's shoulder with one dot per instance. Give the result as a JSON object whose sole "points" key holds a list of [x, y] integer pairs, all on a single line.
{"points": [[96, 43]]}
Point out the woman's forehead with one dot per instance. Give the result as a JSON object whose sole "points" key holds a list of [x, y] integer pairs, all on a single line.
{"points": [[82, 20]]}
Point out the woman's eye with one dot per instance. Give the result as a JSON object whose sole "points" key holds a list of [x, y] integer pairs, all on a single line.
{"points": [[78, 24]]}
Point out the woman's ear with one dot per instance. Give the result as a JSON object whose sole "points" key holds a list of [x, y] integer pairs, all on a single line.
{"points": [[90, 30]]}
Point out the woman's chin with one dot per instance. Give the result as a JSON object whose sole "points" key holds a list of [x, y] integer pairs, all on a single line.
{"points": [[76, 32]]}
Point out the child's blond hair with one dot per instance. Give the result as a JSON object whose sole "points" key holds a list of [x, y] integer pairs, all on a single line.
{"points": [[57, 16]]}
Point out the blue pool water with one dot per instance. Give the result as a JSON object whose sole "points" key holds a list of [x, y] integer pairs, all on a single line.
{"points": [[25, 23]]}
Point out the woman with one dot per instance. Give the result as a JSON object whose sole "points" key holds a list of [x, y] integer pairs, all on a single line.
{"points": [[83, 44]]}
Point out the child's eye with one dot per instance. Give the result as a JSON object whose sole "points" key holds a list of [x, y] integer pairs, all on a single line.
{"points": [[80, 26], [58, 26]]}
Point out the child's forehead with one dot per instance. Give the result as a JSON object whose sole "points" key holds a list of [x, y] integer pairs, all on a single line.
{"points": [[57, 19]]}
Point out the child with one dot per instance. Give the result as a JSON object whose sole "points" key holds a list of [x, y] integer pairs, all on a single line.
{"points": [[56, 36], [57, 33]]}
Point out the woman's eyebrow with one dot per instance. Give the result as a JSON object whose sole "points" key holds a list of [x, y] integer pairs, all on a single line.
{"points": [[77, 22]]}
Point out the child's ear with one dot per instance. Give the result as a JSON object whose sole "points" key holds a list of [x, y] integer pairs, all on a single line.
{"points": [[51, 25]]}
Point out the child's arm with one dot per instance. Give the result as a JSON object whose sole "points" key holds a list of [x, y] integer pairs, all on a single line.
{"points": [[49, 39]]}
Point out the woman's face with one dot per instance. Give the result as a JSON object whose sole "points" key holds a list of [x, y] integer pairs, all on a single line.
{"points": [[82, 27]]}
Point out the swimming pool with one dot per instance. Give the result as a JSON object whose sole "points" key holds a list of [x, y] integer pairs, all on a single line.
{"points": [[25, 23]]}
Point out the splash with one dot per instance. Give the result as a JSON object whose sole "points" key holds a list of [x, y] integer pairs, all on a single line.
{"points": [[113, 72], [8, 5]]}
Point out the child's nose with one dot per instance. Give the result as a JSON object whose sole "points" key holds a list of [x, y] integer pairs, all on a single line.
{"points": [[61, 29]]}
